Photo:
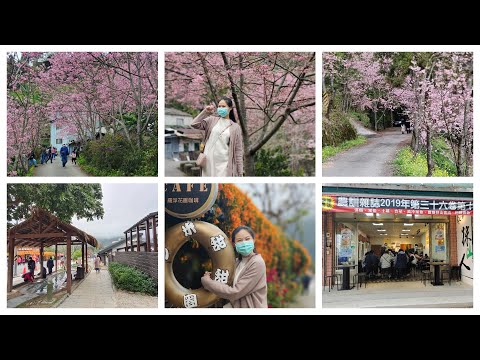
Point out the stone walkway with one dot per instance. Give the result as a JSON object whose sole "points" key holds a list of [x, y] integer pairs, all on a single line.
{"points": [[96, 291]]}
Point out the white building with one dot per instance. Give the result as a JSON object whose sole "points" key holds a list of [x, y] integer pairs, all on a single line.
{"points": [[177, 118]]}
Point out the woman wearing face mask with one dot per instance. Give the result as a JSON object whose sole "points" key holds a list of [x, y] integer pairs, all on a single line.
{"points": [[249, 288], [223, 140]]}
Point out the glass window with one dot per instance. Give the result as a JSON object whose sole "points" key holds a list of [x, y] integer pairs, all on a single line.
{"points": [[185, 147], [197, 146], [59, 141]]}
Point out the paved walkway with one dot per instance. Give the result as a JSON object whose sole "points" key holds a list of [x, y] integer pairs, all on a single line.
{"points": [[56, 169], [403, 294], [172, 168], [374, 158], [96, 291]]}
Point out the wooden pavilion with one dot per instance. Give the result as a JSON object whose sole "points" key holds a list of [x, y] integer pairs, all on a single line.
{"points": [[42, 229]]}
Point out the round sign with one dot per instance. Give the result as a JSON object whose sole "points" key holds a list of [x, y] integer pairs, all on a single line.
{"points": [[188, 201]]}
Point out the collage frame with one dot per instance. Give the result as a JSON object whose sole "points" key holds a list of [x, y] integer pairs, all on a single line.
{"points": [[317, 181]]}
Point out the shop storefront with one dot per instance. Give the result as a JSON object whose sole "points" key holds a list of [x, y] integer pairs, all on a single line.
{"points": [[433, 221]]}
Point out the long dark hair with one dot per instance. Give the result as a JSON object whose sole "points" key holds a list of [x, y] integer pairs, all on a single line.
{"points": [[247, 229], [231, 115]]}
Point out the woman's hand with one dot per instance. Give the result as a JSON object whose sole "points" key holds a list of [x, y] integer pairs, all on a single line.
{"points": [[210, 109], [207, 274]]}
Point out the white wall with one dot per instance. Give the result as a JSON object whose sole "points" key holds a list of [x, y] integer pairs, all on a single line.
{"points": [[465, 247], [171, 120]]}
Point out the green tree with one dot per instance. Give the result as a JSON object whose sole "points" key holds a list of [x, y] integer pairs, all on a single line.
{"points": [[272, 162], [63, 200], [77, 254]]}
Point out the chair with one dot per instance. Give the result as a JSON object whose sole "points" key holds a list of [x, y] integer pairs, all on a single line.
{"points": [[359, 279], [426, 275], [456, 273], [330, 280], [447, 271]]}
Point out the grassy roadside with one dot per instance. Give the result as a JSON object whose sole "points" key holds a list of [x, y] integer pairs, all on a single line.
{"points": [[329, 151], [406, 163]]}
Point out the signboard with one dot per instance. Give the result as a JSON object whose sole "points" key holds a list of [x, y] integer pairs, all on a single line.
{"points": [[396, 205], [345, 250], [188, 201]]}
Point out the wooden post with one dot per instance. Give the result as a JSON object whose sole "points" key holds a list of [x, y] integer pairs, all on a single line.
{"points": [[131, 240], [83, 256], [138, 238], [86, 257], [155, 241], [41, 259], [126, 242], [147, 234], [69, 264], [11, 251], [56, 256]]}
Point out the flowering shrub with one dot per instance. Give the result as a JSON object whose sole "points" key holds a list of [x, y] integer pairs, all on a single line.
{"points": [[286, 259]]}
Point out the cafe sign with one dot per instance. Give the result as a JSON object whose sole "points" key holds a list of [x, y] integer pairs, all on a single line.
{"points": [[188, 201], [396, 205]]}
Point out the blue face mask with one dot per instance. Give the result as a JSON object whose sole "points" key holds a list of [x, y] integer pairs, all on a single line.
{"points": [[223, 112], [244, 248]]}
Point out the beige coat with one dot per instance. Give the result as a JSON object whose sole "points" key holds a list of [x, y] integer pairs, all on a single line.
{"points": [[235, 150], [250, 291]]}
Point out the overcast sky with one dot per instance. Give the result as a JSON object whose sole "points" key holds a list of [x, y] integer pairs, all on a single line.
{"points": [[124, 205]]}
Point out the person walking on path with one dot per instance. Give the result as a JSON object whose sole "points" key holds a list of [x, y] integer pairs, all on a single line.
{"points": [[74, 157], [31, 159], [97, 264], [64, 154], [50, 265]]}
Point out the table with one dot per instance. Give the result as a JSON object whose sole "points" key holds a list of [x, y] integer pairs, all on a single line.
{"points": [[346, 276], [437, 280]]}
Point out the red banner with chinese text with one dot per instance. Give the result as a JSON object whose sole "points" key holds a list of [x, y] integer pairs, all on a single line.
{"points": [[396, 205]]}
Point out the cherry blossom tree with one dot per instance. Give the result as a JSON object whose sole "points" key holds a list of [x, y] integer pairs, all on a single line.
{"points": [[435, 92], [83, 93], [273, 93], [26, 116]]}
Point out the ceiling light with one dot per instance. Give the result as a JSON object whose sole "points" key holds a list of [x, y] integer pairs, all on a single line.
{"points": [[406, 230], [409, 215], [381, 230], [408, 224], [368, 214], [377, 224]]}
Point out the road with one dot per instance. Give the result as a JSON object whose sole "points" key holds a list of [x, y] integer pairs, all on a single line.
{"points": [[371, 159], [55, 169]]}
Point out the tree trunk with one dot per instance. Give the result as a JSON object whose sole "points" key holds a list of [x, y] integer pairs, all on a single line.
{"points": [[429, 153], [375, 120], [249, 164]]}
